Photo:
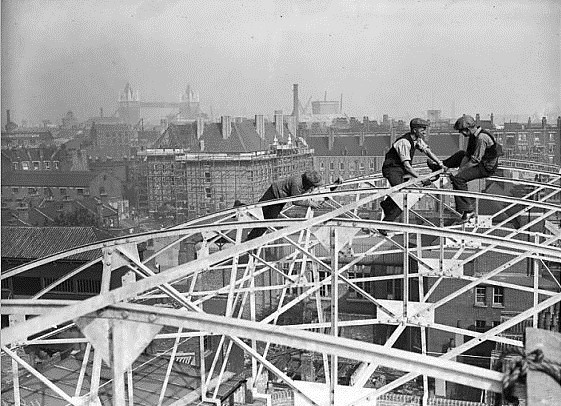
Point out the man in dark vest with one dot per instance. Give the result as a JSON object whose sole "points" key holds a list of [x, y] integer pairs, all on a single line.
{"points": [[397, 163], [479, 160]]}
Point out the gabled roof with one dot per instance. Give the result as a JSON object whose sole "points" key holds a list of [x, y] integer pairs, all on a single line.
{"points": [[38, 242], [48, 178]]}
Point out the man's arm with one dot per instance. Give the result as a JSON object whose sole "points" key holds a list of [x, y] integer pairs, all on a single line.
{"points": [[409, 169]]}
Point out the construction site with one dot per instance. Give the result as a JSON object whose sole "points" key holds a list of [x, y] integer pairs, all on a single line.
{"points": [[320, 310]]}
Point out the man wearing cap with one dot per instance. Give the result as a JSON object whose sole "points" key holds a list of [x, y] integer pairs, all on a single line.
{"points": [[479, 160], [397, 162], [292, 186]]}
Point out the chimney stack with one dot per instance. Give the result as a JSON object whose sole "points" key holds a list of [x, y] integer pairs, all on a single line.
{"points": [[296, 104], [101, 111], [226, 127], [279, 123], [477, 119], [200, 127], [260, 125], [544, 122], [8, 116]]}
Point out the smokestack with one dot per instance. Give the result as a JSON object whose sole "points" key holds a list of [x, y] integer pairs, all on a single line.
{"points": [[226, 127], [279, 123], [8, 116], [101, 111], [296, 103], [341, 104], [260, 125], [325, 96]]}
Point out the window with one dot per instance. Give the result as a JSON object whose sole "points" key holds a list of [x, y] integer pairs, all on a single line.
{"points": [[362, 166], [496, 323], [481, 296], [207, 176], [80, 191], [359, 271], [325, 290], [15, 190], [25, 166], [36, 165], [55, 163], [331, 166], [322, 166], [208, 192], [480, 325], [372, 165], [341, 166], [62, 191], [47, 165], [498, 296], [32, 190], [16, 166], [102, 191]]}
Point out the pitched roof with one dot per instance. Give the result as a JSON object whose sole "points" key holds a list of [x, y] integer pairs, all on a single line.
{"points": [[38, 242], [243, 138], [48, 178]]}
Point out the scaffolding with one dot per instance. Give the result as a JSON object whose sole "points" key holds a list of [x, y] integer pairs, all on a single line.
{"points": [[308, 259]]}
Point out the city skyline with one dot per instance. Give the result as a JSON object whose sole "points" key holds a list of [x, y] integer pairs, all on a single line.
{"points": [[388, 57]]}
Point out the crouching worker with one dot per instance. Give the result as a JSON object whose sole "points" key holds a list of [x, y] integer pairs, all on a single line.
{"points": [[292, 186]]}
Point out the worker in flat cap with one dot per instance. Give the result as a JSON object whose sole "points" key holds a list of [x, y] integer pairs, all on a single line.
{"points": [[479, 160], [292, 186], [397, 163]]}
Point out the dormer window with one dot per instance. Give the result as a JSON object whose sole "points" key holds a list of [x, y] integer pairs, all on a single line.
{"points": [[25, 165], [55, 163], [16, 165], [47, 165], [36, 165]]}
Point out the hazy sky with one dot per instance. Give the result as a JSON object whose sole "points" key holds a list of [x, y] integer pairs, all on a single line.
{"points": [[397, 57]]}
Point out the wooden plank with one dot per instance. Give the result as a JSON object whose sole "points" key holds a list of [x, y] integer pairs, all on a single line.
{"points": [[542, 389]]}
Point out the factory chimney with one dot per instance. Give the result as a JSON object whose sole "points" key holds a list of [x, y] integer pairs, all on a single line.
{"points": [[296, 103], [341, 105], [226, 127]]}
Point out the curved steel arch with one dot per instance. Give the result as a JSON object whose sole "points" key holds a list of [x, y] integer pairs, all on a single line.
{"points": [[311, 245]]}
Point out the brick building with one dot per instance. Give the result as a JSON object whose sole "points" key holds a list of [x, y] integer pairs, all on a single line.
{"points": [[22, 190], [201, 168]]}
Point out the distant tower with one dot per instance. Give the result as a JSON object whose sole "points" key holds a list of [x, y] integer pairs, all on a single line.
{"points": [[190, 104], [296, 104], [129, 106]]}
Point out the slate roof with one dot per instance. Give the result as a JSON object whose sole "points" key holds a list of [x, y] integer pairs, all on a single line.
{"points": [[48, 178], [38, 242], [373, 145], [243, 138]]}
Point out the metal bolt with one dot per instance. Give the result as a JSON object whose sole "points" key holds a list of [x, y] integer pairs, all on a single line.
{"points": [[152, 317], [125, 314]]}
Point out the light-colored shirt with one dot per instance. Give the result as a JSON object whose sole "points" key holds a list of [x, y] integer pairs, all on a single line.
{"points": [[403, 148]]}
